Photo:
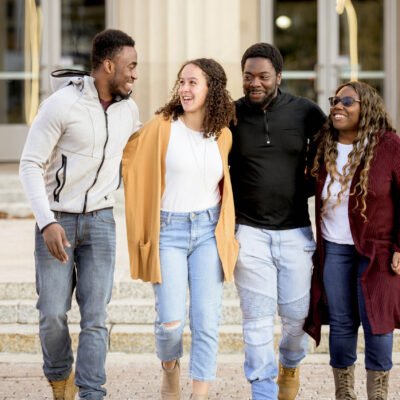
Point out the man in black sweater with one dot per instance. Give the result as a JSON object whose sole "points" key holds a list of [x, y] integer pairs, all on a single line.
{"points": [[269, 158]]}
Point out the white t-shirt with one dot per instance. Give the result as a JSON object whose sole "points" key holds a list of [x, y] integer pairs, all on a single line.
{"points": [[335, 226], [193, 171]]}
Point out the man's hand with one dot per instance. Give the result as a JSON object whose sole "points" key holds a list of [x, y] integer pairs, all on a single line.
{"points": [[396, 263], [56, 240]]}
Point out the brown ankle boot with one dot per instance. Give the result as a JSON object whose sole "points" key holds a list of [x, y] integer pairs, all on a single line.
{"points": [[170, 386], [64, 389], [344, 383], [288, 382], [377, 384]]}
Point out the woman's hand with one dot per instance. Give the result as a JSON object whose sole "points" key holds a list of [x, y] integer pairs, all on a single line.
{"points": [[396, 263]]}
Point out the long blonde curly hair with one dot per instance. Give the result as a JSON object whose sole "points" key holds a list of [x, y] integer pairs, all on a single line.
{"points": [[374, 121]]}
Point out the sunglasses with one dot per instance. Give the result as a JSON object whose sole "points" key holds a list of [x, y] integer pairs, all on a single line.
{"points": [[347, 101]]}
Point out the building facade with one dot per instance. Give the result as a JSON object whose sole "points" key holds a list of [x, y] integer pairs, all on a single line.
{"points": [[321, 47]]}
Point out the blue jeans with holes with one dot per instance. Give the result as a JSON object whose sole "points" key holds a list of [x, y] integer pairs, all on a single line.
{"points": [[273, 273], [343, 268], [189, 259], [90, 271]]}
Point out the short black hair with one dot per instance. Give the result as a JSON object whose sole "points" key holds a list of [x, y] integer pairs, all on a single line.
{"points": [[107, 44], [264, 50]]}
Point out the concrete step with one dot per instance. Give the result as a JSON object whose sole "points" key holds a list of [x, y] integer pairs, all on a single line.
{"points": [[15, 210], [123, 289], [120, 311], [12, 195], [129, 338], [14, 204]]}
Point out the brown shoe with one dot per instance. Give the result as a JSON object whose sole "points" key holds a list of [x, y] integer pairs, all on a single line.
{"points": [[377, 384], [170, 386], [64, 389], [344, 383], [288, 382]]}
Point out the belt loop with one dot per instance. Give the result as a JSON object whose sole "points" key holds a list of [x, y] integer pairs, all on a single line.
{"points": [[210, 215], [169, 218]]}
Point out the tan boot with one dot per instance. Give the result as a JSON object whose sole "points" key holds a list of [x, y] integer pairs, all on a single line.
{"points": [[65, 389], [377, 384], [170, 386], [288, 382], [344, 383]]}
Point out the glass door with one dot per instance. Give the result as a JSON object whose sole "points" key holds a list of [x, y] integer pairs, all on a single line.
{"points": [[370, 43], [37, 37], [20, 26], [80, 21], [295, 34], [316, 44]]}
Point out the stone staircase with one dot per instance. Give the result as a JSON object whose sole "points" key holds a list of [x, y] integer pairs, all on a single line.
{"points": [[130, 319], [13, 203], [131, 310]]}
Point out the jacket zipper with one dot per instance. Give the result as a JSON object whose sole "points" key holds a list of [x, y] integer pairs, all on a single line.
{"points": [[60, 185], [101, 164], [266, 127]]}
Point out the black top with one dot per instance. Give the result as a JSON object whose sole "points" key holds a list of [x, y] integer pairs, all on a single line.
{"points": [[268, 161]]}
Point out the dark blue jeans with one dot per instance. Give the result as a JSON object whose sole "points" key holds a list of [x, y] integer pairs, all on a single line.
{"points": [[342, 272]]}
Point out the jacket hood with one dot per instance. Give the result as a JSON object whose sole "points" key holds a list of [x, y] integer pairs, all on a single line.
{"points": [[64, 77]]}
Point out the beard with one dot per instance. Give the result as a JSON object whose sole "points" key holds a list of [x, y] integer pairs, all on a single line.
{"points": [[264, 101], [116, 92]]}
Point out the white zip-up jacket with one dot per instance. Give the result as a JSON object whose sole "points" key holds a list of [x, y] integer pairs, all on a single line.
{"points": [[71, 160]]}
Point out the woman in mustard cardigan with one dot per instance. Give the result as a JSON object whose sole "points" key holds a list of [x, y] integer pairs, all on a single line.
{"points": [[180, 218]]}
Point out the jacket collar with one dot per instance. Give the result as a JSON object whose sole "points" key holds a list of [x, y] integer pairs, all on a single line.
{"points": [[81, 80]]}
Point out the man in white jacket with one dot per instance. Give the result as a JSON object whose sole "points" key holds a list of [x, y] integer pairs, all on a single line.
{"points": [[69, 168]]}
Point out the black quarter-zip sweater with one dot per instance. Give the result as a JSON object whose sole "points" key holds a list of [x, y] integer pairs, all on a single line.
{"points": [[268, 160]]}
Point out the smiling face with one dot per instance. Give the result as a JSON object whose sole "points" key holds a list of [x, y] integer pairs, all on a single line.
{"points": [[124, 72], [193, 89], [346, 119], [260, 81]]}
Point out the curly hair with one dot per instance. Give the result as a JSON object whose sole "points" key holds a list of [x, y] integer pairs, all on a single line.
{"points": [[264, 50], [107, 44], [219, 106], [374, 121]]}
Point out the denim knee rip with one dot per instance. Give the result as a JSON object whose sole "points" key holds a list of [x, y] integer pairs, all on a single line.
{"points": [[168, 328]]}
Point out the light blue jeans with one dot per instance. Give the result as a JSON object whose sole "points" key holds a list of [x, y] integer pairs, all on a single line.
{"points": [[273, 273], [189, 258], [90, 270]]}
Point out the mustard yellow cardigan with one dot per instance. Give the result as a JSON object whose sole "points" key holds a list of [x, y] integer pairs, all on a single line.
{"points": [[143, 169]]}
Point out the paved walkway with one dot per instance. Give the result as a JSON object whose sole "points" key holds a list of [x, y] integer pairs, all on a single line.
{"points": [[137, 377]]}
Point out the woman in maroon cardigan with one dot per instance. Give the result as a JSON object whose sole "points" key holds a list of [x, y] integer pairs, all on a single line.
{"points": [[356, 276]]}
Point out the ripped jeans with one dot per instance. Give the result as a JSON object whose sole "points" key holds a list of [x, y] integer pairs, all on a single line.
{"points": [[273, 273], [189, 258]]}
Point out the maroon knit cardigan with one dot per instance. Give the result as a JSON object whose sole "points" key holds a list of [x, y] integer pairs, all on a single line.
{"points": [[375, 239]]}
